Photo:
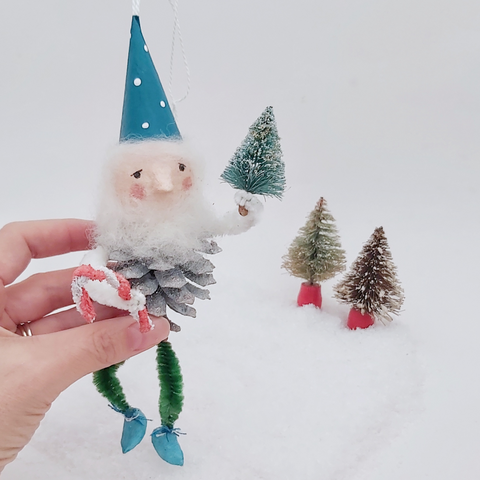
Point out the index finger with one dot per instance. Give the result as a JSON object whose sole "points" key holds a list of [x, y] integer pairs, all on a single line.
{"points": [[22, 241]]}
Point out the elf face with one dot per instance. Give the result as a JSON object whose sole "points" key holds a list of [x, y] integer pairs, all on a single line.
{"points": [[149, 180]]}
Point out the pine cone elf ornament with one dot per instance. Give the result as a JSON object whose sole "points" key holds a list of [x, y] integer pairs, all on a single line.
{"points": [[153, 227], [257, 166], [315, 254], [371, 285]]}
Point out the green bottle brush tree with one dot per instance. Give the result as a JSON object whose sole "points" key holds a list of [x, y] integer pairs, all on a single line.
{"points": [[315, 255], [257, 166]]}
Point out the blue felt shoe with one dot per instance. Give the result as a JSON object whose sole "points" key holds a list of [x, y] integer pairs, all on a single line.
{"points": [[134, 428], [165, 442]]}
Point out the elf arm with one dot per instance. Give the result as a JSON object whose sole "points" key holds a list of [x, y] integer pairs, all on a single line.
{"points": [[233, 223], [97, 257]]}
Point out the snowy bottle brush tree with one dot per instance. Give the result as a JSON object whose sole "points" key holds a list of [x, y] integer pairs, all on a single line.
{"points": [[315, 254], [257, 166], [371, 286]]}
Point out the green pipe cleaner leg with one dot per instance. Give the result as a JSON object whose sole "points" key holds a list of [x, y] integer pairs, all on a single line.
{"points": [[135, 423], [164, 438], [109, 386], [171, 384]]}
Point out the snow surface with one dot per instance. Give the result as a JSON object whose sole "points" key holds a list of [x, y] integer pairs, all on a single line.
{"points": [[378, 108]]}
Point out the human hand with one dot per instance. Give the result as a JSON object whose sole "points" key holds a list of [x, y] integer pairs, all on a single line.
{"points": [[35, 369]]}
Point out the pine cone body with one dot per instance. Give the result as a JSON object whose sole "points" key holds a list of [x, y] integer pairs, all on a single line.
{"points": [[168, 281]]}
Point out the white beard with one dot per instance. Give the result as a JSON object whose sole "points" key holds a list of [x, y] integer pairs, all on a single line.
{"points": [[143, 228], [144, 232]]}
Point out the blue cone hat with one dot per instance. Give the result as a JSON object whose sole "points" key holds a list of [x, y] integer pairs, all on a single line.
{"points": [[146, 112]]}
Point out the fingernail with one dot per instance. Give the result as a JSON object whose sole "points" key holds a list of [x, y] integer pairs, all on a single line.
{"points": [[138, 341]]}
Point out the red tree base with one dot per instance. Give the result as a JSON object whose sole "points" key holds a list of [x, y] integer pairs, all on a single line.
{"points": [[357, 320], [310, 295]]}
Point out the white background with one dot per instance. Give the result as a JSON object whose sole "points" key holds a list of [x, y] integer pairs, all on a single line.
{"points": [[378, 107]]}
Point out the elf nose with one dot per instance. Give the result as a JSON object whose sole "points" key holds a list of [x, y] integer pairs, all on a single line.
{"points": [[163, 179]]}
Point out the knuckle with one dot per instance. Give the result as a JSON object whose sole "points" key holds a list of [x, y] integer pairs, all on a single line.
{"points": [[51, 291], [10, 228], [103, 347], [39, 277]]}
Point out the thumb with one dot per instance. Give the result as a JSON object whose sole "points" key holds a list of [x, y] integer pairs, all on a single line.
{"points": [[71, 354]]}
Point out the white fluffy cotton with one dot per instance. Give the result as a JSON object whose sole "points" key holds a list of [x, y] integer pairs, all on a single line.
{"points": [[144, 228]]}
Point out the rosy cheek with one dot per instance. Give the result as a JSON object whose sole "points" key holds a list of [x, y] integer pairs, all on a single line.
{"points": [[137, 191], [187, 183]]}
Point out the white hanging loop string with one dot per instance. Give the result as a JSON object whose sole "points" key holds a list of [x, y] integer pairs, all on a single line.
{"points": [[136, 7], [176, 29]]}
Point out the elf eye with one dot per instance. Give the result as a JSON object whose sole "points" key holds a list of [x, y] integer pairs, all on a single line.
{"points": [[137, 174], [181, 167]]}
